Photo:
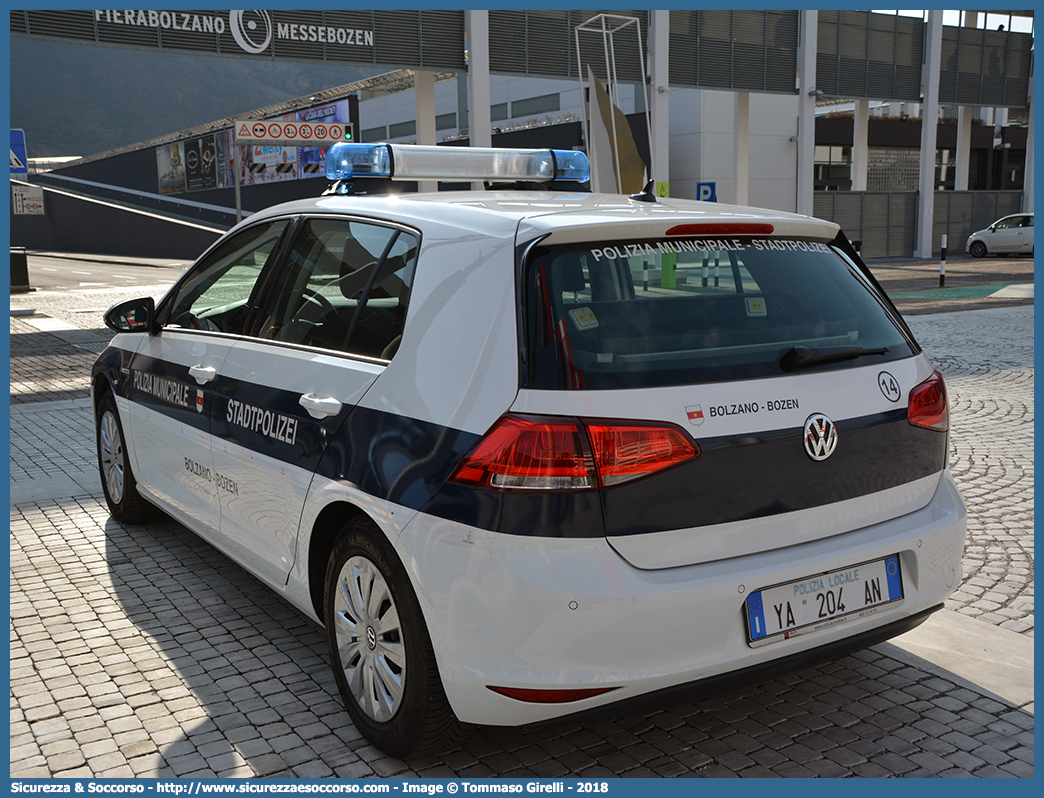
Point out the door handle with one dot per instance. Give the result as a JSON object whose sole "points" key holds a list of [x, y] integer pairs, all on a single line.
{"points": [[320, 406], [203, 374]]}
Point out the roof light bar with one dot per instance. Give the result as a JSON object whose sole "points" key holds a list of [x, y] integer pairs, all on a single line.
{"points": [[415, 162]]}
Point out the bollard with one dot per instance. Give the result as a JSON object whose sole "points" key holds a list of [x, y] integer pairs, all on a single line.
{"points": [[19, 271], [645, 275], [942, 263]]}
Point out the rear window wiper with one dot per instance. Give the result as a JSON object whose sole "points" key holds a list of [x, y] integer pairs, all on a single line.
{"points": [[801, 357]]}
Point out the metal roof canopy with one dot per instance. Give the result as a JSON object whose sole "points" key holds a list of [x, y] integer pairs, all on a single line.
{"points": [[739, 50], [388, 83], [859, 53]]}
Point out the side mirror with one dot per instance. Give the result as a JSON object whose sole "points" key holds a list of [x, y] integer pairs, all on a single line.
{"points": [[133, 316]]}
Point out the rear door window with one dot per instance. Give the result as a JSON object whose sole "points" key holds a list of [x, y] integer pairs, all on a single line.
{"points": [[673, 312]]}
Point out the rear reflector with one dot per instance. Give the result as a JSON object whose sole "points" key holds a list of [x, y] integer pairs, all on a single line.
{"points": [[722, 229], [531, 696], [554, 454], [928, 406]]}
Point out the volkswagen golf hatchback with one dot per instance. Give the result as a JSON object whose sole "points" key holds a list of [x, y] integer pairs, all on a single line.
{"points": [[537, 454]]}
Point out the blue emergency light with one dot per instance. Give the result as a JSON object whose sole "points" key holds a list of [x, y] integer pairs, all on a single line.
{"points": [[417, 162]]}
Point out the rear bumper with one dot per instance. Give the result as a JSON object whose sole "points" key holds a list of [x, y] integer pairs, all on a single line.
{"points": [[747, 677], [545, 613]]}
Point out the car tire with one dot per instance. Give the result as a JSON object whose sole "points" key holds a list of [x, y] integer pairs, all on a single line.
{"points": [[382, 656], [118, 483], [977, 249]]}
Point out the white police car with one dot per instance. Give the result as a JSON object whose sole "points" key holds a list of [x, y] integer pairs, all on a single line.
{"points": [[540, 454]]}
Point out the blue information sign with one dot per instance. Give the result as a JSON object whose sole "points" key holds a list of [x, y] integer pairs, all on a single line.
{"points": [[707, 192], [19, 156]]}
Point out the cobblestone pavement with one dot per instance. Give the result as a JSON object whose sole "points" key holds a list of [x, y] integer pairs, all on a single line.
{"points": [[986, 358], [141, 651]]}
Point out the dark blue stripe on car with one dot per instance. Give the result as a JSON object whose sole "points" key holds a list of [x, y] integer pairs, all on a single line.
{"points": [[739, 478], [408, 461], [736, 478], [393, 457], [111, 362], [166, 388], [271, 422], [529, 513]]}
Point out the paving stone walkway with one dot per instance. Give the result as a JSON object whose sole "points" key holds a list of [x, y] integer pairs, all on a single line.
{"points": [[986, 358]]}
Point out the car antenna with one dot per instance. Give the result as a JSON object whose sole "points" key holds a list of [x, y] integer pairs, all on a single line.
{"points": [[338, 187], [647, 194]]}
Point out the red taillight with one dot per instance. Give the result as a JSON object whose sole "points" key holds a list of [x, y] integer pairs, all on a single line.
{"points": [[529, 454], [531, 696], [565, 454], [722, 229], [625, 452], [928, 406]]}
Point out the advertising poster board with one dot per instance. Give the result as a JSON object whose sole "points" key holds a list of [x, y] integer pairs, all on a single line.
{"points": [[170, 166], [201, 163], [223, 158]]}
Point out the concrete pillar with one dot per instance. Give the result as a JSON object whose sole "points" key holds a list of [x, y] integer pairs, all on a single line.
{"points": [[424, 104], [741, 129], [860, 147], [964, 131], [476, 24], [476, 29], [660, 145], [929, 131], [964, 125], [806, 144]]}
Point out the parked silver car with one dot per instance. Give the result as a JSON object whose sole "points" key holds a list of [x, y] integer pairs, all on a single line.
{"points": [[1008, 236]]}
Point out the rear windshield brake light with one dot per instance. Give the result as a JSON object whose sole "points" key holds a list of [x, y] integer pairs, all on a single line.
{"points": [[722, 228]]}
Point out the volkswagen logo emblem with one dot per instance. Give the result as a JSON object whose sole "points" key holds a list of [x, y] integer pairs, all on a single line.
{"points": [[820, 437], [371, 638]]}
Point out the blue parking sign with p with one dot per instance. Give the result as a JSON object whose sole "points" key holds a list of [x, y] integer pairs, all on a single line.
{"points": [[706, 192], [19, 156]]}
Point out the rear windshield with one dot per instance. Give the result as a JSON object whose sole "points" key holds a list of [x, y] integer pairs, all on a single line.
{"points": [[628, 314]]}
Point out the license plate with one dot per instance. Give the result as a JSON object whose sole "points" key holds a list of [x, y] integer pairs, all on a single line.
{"points": [[808, 605]]}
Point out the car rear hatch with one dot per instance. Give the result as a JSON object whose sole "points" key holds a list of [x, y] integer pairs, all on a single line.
{"points": [[728, 392]]}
